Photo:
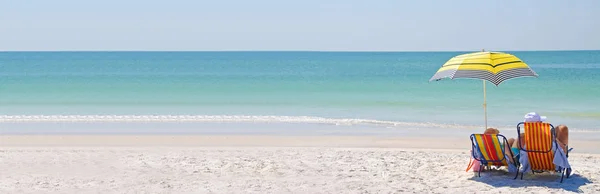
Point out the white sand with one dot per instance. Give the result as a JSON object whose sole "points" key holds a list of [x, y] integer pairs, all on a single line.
{"points": [[262, 164]]}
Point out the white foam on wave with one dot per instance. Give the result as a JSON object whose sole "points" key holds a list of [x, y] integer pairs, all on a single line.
{"points": [[213, 119], [232, 119]]}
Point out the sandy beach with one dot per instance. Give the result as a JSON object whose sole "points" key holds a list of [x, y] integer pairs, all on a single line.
{"points": [[263, 164]]}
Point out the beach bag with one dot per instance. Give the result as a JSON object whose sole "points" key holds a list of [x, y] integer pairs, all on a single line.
{"points": [[475, 164]]}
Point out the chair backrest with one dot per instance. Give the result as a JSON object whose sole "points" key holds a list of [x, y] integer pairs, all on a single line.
{"points": [[487, 149], [539, 138]]}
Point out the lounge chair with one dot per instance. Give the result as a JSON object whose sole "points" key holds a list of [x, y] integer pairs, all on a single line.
{"points": [[541, 148], [488, 149]]}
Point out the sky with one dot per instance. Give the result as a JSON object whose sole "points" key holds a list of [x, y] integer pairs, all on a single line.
{"points": [[300, 25]]}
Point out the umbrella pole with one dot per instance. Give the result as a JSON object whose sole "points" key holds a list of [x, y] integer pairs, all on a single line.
{"points": [[484, 105]]}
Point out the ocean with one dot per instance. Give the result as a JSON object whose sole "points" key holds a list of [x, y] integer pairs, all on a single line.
{"points": [[389, 89]]}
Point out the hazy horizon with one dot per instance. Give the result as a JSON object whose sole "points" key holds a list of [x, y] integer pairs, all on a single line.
{"points": [[349, 51]]}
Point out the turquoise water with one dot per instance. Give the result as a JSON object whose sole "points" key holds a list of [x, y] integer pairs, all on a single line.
{"points": [[378, 86]]}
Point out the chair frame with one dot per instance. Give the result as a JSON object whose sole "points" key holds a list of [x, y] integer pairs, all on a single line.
{"points": [[553, 133], [482, 160]]}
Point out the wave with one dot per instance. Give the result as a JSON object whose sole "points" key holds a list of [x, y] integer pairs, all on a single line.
{"points": [[234, 119], [214, 119]]}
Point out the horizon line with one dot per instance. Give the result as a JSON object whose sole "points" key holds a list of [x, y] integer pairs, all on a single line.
{"points": [[349, 51]]}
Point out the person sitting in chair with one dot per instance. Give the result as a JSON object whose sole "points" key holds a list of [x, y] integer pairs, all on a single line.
{"points": [[507, 147], [562, 133], [561, 139]]}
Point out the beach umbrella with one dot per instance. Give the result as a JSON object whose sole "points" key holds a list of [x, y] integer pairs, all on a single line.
{"points": [[494, 67]]}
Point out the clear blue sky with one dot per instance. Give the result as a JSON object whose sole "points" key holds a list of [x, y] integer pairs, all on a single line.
{"points": [[365, 25]]}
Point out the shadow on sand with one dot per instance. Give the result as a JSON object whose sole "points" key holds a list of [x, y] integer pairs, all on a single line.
{"points": [[505, 179]]}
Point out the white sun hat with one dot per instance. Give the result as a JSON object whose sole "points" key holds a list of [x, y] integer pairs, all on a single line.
{"points": [[534, 117]]}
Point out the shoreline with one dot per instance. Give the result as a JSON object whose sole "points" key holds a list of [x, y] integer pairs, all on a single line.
{"points": [[160, 140], [447, 143]]}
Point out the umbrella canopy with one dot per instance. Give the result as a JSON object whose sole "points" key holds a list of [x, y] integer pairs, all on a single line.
{"points": [[495, 67]]}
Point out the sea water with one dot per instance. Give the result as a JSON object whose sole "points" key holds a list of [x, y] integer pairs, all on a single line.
{"points": [[389, 89]]}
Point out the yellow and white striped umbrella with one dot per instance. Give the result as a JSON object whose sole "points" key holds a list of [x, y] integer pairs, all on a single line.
{"points": [[495, 67]]}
